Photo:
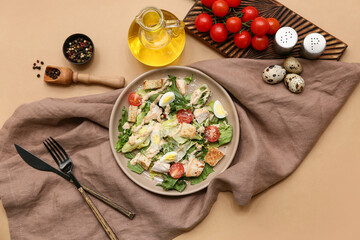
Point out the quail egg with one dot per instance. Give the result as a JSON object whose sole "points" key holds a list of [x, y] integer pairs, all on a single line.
{"points": [[219, 110], [292, 65], [155, 138], [169, 157], [273, 74], [166, 99], [294, 83]]}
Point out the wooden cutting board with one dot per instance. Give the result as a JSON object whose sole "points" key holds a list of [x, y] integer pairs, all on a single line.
{"points": [[267, 8]]}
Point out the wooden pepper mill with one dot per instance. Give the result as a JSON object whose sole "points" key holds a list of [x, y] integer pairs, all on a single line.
{"points": [[65, 76]]}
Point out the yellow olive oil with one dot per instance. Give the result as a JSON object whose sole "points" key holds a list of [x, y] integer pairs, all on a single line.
{"points": [[156, 47]]}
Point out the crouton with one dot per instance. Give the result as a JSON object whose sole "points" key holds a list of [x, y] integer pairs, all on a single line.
{"points": [[181, 85], [201, 114], [194, 168], [132, 114], [153, 84], [213, 156], [144, 161], [188, 131]]}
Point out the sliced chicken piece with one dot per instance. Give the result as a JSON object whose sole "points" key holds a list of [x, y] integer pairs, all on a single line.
{"points": [[181, 85], [201, 114], [195, 96], [195, 168], [161, 167]]}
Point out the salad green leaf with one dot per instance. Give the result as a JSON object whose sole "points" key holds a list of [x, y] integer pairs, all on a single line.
{"points": [[130, 155], [123, 139], [140, 117], [167, 147], [202, 154], [170, 183], [180, 101], [207, 170], [123, 120], [225, 133], [136, 168], [189, 79], [210, 106], [142, 92], [153, 97]]}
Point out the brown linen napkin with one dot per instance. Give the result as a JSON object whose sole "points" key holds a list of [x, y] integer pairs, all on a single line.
{"points": [[278, 129]]}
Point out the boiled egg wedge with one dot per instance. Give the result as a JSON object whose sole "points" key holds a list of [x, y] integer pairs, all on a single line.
{"points": [[169, 157], [166, 99], [219, 110], [155, 138]]}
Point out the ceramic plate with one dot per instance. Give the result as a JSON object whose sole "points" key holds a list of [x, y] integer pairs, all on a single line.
{"points": [[218, 93]]}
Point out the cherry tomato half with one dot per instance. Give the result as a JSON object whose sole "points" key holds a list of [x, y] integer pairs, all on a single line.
{"points": [[218, 32], [135, 99], [220, 8], [212, 133], [260, 43], [260, 26], [233, 24], [243, 39], [203, 22], [274, 26], [176, 170], [233, 3], [184, 116], [250, 13], [207, 3]]}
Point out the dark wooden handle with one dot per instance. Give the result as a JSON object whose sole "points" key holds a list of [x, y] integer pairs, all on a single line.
{"points": [[98, 215], [109, 202]]}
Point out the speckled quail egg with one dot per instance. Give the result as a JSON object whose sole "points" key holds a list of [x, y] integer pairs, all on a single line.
{"points": [[294, 83], [166, 99], [292, 65], [273, 74]]}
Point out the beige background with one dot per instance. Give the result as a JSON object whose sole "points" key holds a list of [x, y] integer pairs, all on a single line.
{"points": [[319, 201]]}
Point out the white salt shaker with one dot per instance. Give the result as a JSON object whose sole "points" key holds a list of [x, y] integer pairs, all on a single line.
{"points": [[313, 46], [285, 40]]}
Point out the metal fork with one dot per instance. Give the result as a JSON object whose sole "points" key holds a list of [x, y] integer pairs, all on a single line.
{"points": [[65, 164]]}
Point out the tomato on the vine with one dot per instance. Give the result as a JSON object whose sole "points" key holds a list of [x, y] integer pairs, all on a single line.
{"points": [[243, 39], [220, 8], [212, 133], [233, 24], [260, 43], [203, 22], [207, 3], [260, 26], [274, 26], [233, 3], [250, 13], [135, 99], [185, 116], [218, 32]]}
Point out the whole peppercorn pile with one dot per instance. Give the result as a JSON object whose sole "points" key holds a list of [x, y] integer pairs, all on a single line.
{"points": [[79, 50], [52, 72]]}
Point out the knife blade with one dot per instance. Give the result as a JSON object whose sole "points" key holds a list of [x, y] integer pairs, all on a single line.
{"points": [[37, 163]]}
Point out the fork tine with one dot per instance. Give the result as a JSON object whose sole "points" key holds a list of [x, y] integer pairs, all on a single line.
{"points": [[55, 150], [51, 152], [60, 147]]}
